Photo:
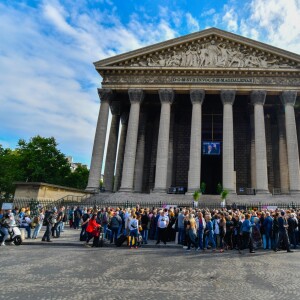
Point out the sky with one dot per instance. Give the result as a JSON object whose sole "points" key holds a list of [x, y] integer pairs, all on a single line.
{"points": [[48, 84]]}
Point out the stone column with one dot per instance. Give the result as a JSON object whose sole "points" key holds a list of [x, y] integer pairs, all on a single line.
{"points": [[252, 155], [171, 151], [166, 98], [140, 155], [136, 96], [258, 99], [228, 97], [288, 99], [112, 147], [120, 159], [283, 157], [99, 141], [197, 97]]}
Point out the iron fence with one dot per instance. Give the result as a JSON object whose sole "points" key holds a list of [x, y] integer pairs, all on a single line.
{"points": [[35, 204]]}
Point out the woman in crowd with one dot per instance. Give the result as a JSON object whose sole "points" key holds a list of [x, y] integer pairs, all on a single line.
{"points": [[192, 232], [222, 230], [92, 229], [38, 220], [134, 230]]}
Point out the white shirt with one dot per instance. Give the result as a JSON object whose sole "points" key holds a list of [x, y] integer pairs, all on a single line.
{"points": [[163, 221], [134, 224], [217, 229]]}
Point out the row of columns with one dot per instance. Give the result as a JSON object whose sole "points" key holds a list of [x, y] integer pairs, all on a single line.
{"points": [[130, 162]]}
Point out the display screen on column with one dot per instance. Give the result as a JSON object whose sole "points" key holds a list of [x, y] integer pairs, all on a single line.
{"points": [[211, 148]]}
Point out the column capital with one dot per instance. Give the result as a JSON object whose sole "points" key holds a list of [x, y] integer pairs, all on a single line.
{"points": [[166, 95], [124, 117], [105, 95], [258, 97], [288, 97], [197, 96], [115, 107], [136, 95], [227, 96]]}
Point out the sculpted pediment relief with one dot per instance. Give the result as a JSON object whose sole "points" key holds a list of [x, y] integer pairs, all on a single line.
{"points": [[211, 48], [215, 54]]}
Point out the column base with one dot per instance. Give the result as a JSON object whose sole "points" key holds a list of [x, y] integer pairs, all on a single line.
{"points": [[159, 191], [294, 192], [190, 192], [260, 192], [94, 190], [125, 190]]}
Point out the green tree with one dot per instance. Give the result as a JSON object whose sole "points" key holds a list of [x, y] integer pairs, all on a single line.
{"points": [[41, 161], [9, 171], [79, 178]]}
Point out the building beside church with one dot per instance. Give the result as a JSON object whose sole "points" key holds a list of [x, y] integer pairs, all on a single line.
{"points": [[210, 107]]}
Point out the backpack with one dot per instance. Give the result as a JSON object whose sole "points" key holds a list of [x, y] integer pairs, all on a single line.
{"points": [[77, 214], [36, 220], [48, 218], [104, 218]]}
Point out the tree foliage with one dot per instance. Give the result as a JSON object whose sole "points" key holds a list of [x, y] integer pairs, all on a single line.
{"points": [[42, 161], [38, 160]]}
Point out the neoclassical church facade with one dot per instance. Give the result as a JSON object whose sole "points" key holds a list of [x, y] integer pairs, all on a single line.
{"points": [[210, 107]]}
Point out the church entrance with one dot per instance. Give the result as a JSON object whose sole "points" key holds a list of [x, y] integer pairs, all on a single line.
{"points": [[212, 136]]}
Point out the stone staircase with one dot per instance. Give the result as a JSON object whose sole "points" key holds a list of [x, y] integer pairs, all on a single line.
{"points": [[122, 197]]}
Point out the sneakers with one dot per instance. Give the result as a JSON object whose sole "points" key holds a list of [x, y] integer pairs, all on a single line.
{"points": [[198, 249], [188, 250], [157, 243], [3, 244]]}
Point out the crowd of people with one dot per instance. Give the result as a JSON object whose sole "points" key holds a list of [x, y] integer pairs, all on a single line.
{"points": [[201, 229]]}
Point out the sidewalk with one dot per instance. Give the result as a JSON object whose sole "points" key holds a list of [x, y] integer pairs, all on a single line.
{"points": [[70, 237]]}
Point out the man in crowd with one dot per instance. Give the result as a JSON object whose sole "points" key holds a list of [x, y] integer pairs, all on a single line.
{"points": [[162, 225]]}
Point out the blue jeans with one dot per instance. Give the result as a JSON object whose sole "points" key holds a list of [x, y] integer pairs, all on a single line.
{"points": [[145, 235], [114, 234], [210, 238], [181, 235], [4, 233], [200, 238], [133, 234], [36, 231], [104, 226], [58, 229], [267, 240]]}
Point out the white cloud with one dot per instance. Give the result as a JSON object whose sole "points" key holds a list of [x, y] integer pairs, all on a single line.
{"points": [[208, 12], [230, 18], [192, 23], [279, 21], [47, 80]]}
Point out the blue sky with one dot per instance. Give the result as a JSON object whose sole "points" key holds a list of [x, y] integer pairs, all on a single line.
{"points": [[48, 84]]}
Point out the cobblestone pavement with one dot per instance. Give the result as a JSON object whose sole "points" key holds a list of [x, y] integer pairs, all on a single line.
{"points": [[56, 272]]}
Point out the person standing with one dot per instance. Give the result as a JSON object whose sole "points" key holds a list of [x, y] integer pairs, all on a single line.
{"points": [[246, 230], [115, 223], [162, 225], [283, 235], [201, 224], [134, 230], [48, 221], [181, 231], [77, 217], [39, 223]]}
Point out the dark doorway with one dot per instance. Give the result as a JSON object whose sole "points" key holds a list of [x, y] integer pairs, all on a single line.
{"points": [[212, 132], [211, 172]]}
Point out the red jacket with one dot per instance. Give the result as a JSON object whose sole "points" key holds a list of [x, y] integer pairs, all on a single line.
{"points": [[93, 226]]}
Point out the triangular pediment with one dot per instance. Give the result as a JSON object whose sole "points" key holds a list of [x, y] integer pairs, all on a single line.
{"points": [[210, 48]]}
